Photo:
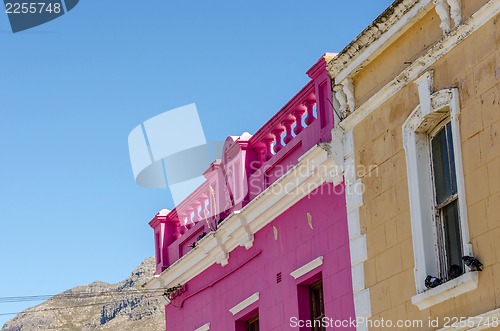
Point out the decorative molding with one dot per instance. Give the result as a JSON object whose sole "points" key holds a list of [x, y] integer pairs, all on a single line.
{"points": [[348, 88], [455, 287], [341, 99], [420, 65], [344, 94], [314, 168], [425, 86], [476, 323], [204, 327], [447, 10], [456, 11], [306, 268], [310, 220], [244, 304], [443, 9], [243, 233], [386, 28]]}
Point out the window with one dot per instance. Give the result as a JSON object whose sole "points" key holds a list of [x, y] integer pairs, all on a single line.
{"points": [[253, 324], [310, 300], [436, 188], [317, 305], [449, 242]]}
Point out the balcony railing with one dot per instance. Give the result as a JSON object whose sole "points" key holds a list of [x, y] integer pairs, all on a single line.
{"points": [[248, 166]]}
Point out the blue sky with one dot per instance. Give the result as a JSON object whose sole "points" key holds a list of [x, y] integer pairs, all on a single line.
{"points": [[71, 91]]}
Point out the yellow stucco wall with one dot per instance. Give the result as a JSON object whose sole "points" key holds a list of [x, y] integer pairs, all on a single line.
{"points": [[474, 67]]}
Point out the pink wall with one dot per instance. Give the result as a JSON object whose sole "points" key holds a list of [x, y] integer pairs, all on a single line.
{"points": [[210, 295]]}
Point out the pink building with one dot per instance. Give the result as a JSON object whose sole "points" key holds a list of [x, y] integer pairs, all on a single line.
{"points": [[263, 243]]}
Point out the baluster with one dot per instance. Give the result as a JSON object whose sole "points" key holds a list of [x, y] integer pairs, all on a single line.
{"points": [[189, 220], [298, 113], [310, 116], [268, 141], [182, 219], [202, 199], [277, 132], [196, 205], [288, 122], [260, 149]]}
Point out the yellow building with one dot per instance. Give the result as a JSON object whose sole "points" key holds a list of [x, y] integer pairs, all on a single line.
{"points": [[417, 95]]}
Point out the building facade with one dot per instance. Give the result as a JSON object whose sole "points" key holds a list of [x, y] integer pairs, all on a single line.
{"points": [[418, 93], [263, 243], [359, 198]]}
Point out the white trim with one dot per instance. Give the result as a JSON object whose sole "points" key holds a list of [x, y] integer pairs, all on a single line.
{"points": [[359, 253], [245, 303], [362, 305], [432, 109], [455, 287], [314, 168], [204, 327], [478, 322], [476, 21], [307, 267], [357, 240]]}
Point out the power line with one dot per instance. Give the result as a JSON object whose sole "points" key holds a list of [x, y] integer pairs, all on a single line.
{"points": [[66, 307], [73, 295]]}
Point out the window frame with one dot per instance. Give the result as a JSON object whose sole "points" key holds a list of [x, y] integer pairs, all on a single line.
{"points": [[311, 287], [438, 207], [434, 109]]}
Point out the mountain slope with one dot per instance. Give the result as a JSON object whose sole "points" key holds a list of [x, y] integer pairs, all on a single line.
{"points": [[98, 306]]}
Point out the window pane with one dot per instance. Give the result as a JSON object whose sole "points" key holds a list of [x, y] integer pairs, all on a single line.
{"points": [[449, 139], [253, 324], [452, 234], [443, 164], [317, 305]]}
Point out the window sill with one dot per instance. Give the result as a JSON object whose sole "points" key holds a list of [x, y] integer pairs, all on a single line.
{"points": [[453, 288]]}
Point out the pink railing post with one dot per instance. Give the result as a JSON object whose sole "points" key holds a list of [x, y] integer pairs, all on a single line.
{"points": [[288, 122], [277, 132], [268, 141], [298, 113], [203, 208], [310, 116], [260, 149], [196, 205], [189, 219]]}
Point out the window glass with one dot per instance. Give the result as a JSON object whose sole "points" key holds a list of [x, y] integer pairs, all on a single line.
{"points": [[446, 199], [444, 164], [452, 234], [317, 305], [253, 324]]}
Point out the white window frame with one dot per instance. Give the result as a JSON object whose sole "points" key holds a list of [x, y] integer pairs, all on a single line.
{"points": [[432, 110]]}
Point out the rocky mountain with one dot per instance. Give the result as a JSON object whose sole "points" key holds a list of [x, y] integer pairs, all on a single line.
{"points": [[98, 306]]}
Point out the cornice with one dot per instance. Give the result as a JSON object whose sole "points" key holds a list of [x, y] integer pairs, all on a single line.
{"points": [[314, 168]]}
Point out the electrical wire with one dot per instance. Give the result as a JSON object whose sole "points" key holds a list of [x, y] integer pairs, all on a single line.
{"points": [[76, 295], [73, 296]]}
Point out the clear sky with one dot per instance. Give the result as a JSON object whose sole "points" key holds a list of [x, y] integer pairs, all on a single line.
{"points": [[71, 91]]}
